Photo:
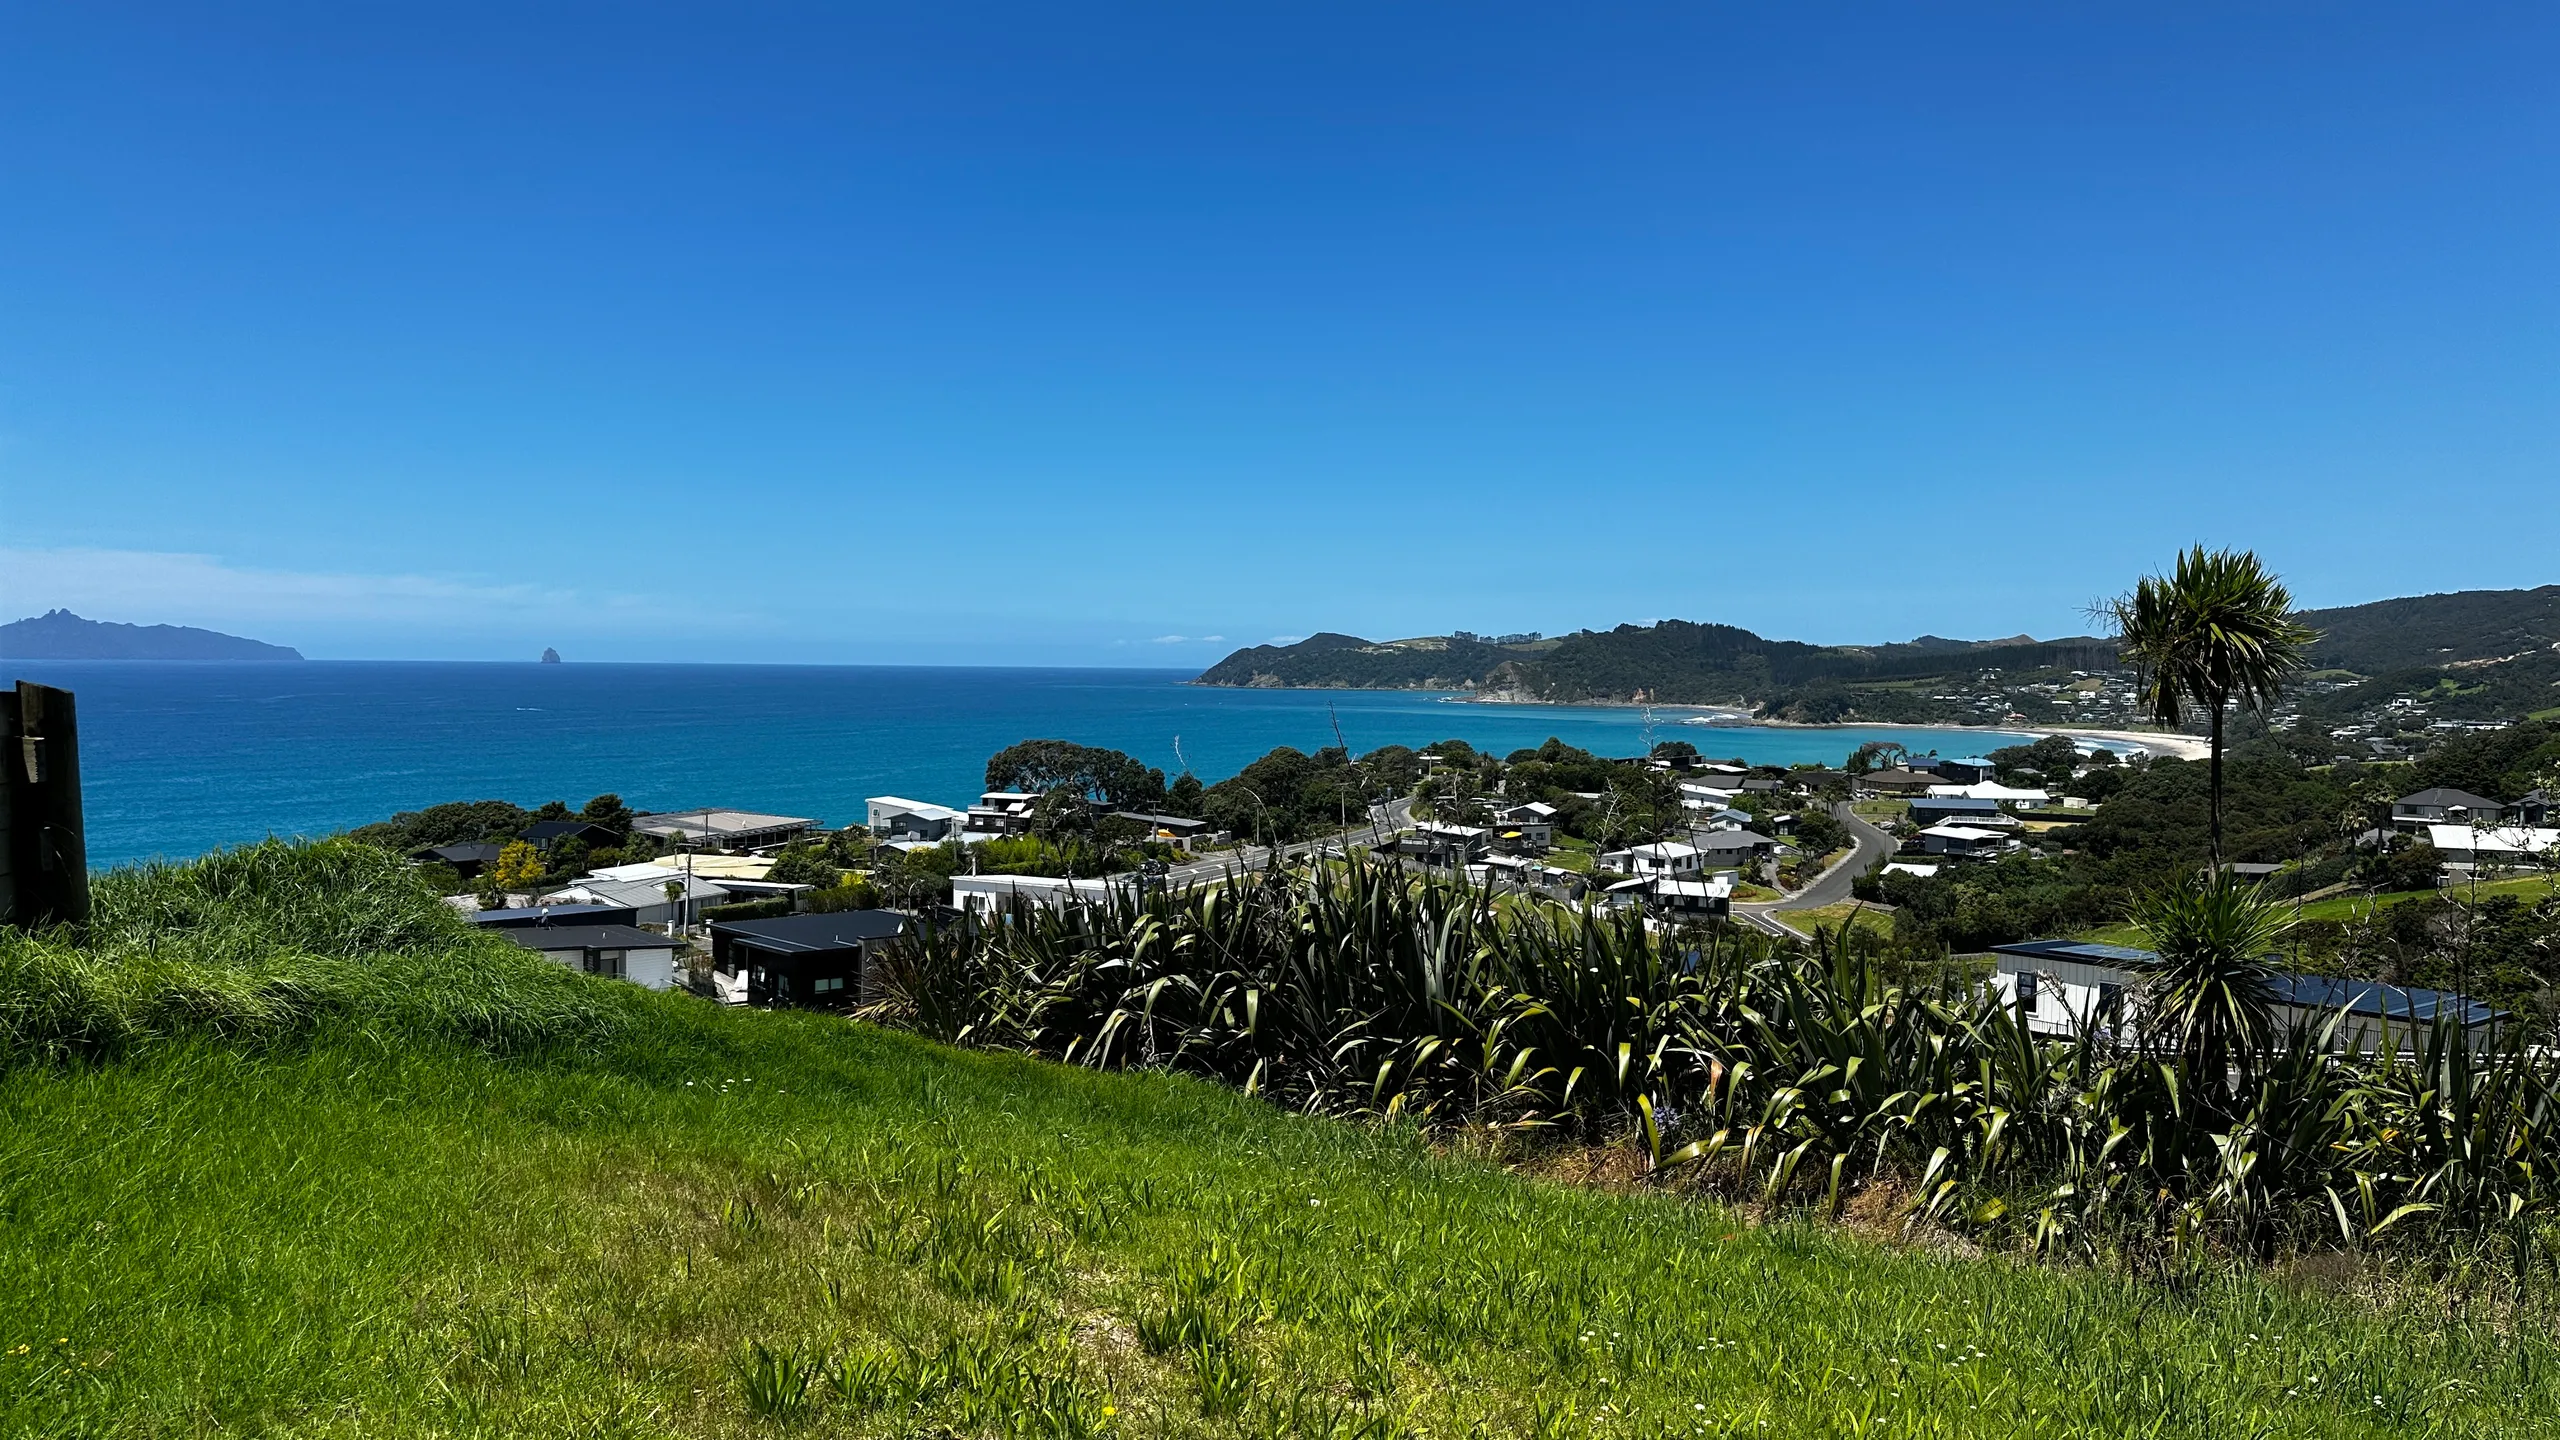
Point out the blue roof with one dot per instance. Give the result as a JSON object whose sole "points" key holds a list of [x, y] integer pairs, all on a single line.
{"points": [[1967, 760], [1968, 803], [2087, 952], [2308, 992], [2372, 997]]}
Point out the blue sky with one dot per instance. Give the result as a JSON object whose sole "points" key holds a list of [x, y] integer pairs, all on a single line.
{"points": [[1122, 335]]}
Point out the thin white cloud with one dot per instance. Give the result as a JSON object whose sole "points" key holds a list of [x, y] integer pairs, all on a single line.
{"points": [[1284, 639], [1213, 639], [1171, 640], [160, 588]]}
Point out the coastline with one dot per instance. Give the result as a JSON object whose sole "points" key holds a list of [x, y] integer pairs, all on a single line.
{"points": [[2157, 743]]}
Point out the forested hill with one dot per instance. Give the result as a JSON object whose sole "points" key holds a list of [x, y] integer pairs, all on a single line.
{"points": [[2437, 630], [61, 635], [1674, 661]]}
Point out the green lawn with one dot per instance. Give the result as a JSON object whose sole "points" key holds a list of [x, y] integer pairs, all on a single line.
{"points": [[1849, 912], [473, 1196], [2356, 906]]}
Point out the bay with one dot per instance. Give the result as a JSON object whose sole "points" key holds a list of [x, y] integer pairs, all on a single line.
{"points": [[177, 759]]}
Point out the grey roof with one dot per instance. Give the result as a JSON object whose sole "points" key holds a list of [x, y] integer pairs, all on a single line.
{"points": [[548, 915], [548, 938], [2447, 795], [471, 852], [640, 894], [800, 934], [1733, 840]]}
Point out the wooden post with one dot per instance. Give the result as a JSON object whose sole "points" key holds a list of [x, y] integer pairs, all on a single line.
{"points": [[44, 862]]}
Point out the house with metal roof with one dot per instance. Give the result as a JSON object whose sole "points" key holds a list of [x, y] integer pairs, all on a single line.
{"points": [[528, 916], [723, 829], [895, 819], [824, 962], [467, 859], [1991, 790], [1899, 780], [2444, 805], [621, 952], [648, 900], [1933, 809], [2064, 987], [1964, 842], [2466, 846]]}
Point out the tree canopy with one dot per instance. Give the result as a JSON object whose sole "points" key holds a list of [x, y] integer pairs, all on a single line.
{"points": [[1041, 766]]}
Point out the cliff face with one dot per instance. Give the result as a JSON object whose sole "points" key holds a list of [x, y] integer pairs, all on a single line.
{"points": [[61, 635]]}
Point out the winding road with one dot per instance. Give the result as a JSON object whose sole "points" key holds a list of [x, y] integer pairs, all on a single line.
{"points": [[1869, 847]]}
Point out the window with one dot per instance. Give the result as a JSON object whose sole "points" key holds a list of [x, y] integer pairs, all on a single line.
{"points": [[2110, 1001], [605, 962], [2027, 991], [828, 985]]}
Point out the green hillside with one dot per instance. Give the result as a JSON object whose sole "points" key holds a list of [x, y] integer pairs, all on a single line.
{"points": [[287, 1150], [1672, 661], [2424, 631], [2474, 654]]}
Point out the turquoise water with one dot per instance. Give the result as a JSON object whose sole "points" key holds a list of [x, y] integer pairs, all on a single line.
{"points": [[177, 759]]}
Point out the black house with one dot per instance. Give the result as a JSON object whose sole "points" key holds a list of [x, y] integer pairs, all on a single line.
{"points": [[821, 961], [467, 860], [544, 834]]}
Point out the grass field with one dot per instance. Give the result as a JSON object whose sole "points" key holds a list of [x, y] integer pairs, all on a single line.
{"points": [[305, 1186], [1850, 912], [2357, 906]]}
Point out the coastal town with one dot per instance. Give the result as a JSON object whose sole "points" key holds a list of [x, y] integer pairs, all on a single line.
{"points": [[756, 908], [1279, 722]]}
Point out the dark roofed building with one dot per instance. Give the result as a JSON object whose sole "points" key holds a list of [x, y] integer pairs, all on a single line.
{"points": [[543, 834], [1900, 780], [1932, 809], [622, 952], [532, 916], [824, 961], [2445, 805], [467, 859]]}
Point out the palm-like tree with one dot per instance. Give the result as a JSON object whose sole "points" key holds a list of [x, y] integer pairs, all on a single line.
{"points": [[2209, 1000], [2217, 631]]}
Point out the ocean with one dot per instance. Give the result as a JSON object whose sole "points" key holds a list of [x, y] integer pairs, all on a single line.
{"points": [[177, 759]]}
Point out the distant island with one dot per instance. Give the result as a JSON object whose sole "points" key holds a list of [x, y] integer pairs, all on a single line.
{"points": [[61, 635], [550, 656]]}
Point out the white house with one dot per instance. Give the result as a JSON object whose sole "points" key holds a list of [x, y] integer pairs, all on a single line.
{"points": [[989, 894], [1436, 843], [1711, 794], [619, 951], [891, 817], [2463, 846], [1964, 841], [647, 899], [1662, 860], [2067, 986], [1991, 790], [999, 812]]}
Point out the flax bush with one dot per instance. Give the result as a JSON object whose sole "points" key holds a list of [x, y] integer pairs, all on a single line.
{"points": [[1787, 1074]]}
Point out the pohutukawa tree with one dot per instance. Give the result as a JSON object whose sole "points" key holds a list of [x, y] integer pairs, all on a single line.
{"points": [[2216, 632]]}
